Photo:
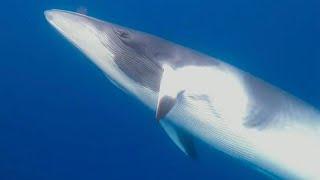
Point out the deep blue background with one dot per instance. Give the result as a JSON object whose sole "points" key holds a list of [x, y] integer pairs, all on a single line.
{"points": [[60, 118]]}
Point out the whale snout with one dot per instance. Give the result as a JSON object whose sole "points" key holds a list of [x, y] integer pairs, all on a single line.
{"points": [[95, 38]]}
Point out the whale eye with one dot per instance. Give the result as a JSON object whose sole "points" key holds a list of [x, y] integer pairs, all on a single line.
{"points": [[122, 33]]}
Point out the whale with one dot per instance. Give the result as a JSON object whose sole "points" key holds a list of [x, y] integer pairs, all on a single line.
{"points": [[198, 99]]}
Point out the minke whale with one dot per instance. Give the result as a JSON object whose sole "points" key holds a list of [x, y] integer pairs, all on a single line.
{"points": [[197, 98]]}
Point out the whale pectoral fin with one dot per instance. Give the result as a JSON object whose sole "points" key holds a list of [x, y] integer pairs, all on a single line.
{"points": [[165, 104], [168, 92], [180, 138]]}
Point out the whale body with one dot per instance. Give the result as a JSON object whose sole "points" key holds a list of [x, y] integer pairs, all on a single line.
{"points": [[200, 98]]}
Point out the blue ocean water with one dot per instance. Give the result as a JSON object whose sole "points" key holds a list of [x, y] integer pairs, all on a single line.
{"points": [[60, 118]]}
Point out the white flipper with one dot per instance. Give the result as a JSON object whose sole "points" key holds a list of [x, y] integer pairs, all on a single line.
{"points": [[180, 138], [168, 92]]}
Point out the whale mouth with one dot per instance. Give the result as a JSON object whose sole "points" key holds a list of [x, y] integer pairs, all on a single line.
{"points": [[108, 45]]}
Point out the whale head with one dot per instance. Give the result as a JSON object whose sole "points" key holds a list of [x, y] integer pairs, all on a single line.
{"points": [[131, 59]]}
